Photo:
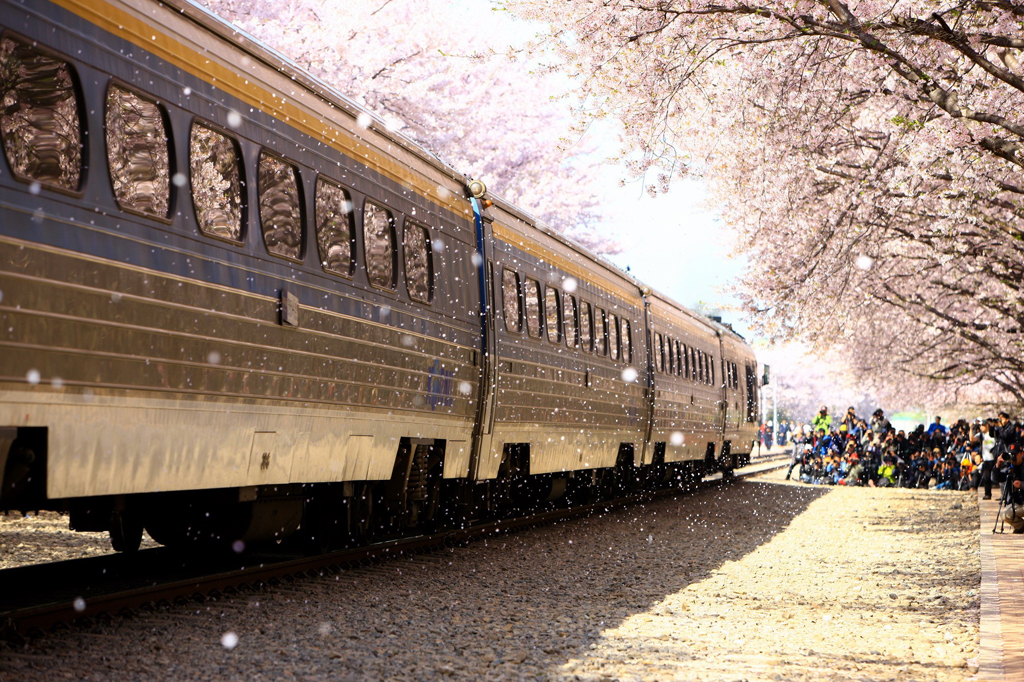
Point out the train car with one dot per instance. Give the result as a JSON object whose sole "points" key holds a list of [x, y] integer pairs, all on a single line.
{"points": [[236, 306], [687, 404], [741, 398], [570, 355], [214, 278]]}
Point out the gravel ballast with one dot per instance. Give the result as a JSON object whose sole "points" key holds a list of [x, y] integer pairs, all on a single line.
{"points": [[44, 537], [759, 580]]}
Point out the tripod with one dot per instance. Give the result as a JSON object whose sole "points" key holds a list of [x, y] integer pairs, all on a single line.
{"points": [[1007, 486]]}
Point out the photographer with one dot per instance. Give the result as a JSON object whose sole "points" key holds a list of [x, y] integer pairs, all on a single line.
{"points": [[1005, 434], [1009, 472]]}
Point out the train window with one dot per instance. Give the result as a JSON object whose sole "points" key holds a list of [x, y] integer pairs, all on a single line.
{"points": [[679, 358], [531, 292], [735, 376], [613, 336], [510, 298], [553, 311], [586, 327], [627, 341], [693, 363], [671, 357], [140, 167], [334, 228], [379, 245], [711, 369], [419, 273], [280, 207], [571, 321], [216, 183], [659, 353], [600, 345], [42, 134]]}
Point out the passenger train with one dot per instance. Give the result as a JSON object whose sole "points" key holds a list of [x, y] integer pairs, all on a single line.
{"points": [[232, 310]]}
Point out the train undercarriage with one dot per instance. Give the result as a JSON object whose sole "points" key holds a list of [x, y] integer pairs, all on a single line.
{"points": [[322, 517]]}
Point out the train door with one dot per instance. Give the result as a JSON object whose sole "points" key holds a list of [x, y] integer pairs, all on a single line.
{"points": [[649, 388], [484, 426], [723, 390]]}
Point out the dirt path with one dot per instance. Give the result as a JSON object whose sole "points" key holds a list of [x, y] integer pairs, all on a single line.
{"points": [[761, 580]]}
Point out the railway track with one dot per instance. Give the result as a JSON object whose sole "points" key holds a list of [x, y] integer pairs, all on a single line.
{"points": [[40, 597]]}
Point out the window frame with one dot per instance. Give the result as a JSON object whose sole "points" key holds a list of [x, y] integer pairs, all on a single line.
{"points": [[84, 160], [353, 246], [429, 245], [171, 161], [659, 352], [558, 314], [602, 334], [243, 230], [587, 347], [368, 201], [301, 202], [613, 323], [540, 309], [573, 323], [625, 333], [519, 299]]}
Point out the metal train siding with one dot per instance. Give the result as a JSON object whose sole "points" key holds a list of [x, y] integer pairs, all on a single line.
{"points": [[230, 310]]}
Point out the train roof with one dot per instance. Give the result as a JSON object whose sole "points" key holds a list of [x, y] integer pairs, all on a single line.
{"points": [[278, 61]]}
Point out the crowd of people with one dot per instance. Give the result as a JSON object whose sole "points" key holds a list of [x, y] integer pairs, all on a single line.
{"points": [[853, 451]]}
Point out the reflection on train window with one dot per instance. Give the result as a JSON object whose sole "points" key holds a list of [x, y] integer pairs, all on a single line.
{"points": [[379, 244], [137, 153], [613, 336], [334, 228], [627, 346], [586, 327], [280, 207], [531, 293], [419, 274], [39, 118], [216, 183], [693, 364], [659, 353], [510, 299], [673, 357], [711, 369], [684, 361], [571, 321], [599, 332], [680, 358], [701, 367], [552, 314]]}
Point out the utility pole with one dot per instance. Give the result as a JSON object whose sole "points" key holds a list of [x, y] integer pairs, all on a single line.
{"points": [[775, 405]]}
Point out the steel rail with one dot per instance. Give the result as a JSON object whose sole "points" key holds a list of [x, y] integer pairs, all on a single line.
{"points": [[18, 623]]}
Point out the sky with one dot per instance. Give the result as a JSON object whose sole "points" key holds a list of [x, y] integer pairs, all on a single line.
{"points": [[672, 242]]}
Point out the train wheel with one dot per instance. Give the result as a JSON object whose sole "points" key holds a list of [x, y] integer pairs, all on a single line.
{"points": [[125, 532]]}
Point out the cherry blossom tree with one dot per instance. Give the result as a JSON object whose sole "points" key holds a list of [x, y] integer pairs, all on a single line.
{"points": [[434, 77], [867, 153]]}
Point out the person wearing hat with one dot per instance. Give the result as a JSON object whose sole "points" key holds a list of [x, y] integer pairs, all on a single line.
{"points": [[887, 472], [879, 424], [823, 420], [850, 419], [856, 473]]}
